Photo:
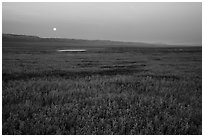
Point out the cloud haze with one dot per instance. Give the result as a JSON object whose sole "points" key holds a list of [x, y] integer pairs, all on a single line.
{"points": [[172, 23]]}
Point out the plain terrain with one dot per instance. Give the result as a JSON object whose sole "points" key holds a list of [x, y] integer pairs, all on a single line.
{"points": [[106, 90]]}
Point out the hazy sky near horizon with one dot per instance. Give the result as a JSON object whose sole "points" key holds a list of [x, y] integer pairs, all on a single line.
{"points": [[171, 23]]}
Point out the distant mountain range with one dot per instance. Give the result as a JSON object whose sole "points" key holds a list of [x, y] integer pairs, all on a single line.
{"points": [[28, 38], [15, 37]]}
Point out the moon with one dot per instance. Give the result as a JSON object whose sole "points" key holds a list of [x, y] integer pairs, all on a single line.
{"points": [[54, 29]]}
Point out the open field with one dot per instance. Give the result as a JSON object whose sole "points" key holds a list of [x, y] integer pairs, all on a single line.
{"points": [[105, 90]]}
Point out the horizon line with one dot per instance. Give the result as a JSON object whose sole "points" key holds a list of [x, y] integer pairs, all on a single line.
{"points": [[153, 43]]}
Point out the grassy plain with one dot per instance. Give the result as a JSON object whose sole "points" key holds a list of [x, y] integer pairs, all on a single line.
{"points": [[106, 90]]}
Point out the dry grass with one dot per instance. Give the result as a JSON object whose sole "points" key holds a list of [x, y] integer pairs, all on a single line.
{"points": [[139, 91]]}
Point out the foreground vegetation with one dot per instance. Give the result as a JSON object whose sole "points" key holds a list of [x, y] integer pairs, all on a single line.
{"points": [[103, 91]]}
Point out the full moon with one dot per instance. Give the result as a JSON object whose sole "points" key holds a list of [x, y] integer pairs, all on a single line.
{"points": [[54, 29]]}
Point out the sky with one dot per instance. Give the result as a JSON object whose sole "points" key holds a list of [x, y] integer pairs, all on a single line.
{"points": [[169, 23]]}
